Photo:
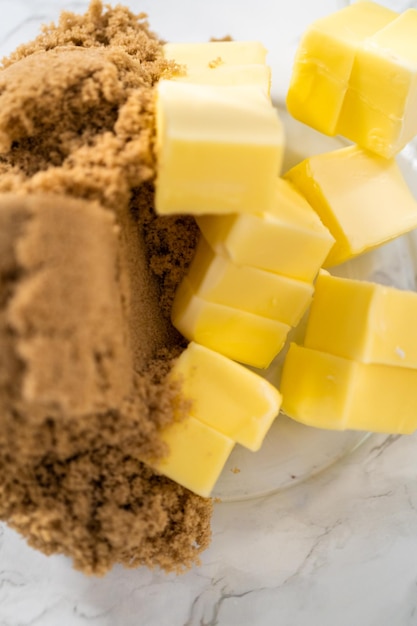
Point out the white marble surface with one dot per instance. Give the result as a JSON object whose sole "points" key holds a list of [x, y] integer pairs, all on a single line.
{"points": [[338, 550]]}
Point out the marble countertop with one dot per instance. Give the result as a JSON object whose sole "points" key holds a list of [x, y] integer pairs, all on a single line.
{"points": [[337, 550]]}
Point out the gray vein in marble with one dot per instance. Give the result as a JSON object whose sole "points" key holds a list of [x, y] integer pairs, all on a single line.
{"points": [[224, 595], [381, 448], [410, 502], [380, 495], [90, 618], [9, 578], [37, 620], [317, 543], [223, 598]]}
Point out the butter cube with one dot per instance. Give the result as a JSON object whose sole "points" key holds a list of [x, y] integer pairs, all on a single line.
{"points": [[221, 63], [213, 53], [363, 321], [362, 198], [379, 111], [324, 62], [196, 457], [216, 278], [219, 148], [256, 75], [226, 395], [289, 239], [239, 335], [327, 391]]}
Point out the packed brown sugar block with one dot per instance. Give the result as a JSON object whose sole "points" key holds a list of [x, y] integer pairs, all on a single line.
{"points": [[87, 275], [65, 314]]}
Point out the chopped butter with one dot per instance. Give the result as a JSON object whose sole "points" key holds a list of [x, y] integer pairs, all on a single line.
{"points": [[216, 278], [226, 395], [221, 63], [289, 239], [196, 457], [202, 54], [219, 148], [239, 335], [379, 111], [327, 391], [324, 61], [362, 198], [363, 321]]}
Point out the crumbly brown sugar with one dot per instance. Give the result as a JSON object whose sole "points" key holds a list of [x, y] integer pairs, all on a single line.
{"points": [[87, 276]]}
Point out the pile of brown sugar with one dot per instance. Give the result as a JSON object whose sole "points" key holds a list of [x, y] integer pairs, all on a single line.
{"points": [[87, 276]]}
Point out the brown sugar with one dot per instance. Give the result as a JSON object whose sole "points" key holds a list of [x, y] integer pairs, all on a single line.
{"points": [[87, 277]]}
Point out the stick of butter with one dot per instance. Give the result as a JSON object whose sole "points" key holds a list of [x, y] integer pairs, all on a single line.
{"points": [[219, 148], [217, 279], [290, 239], [239, 335], [327, 391], [362, 198], [226, 395], [363, 321]]}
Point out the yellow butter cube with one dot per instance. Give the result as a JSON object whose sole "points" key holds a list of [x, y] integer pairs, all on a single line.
{"points": [[379, 111], [289, 239], [219, 148], [327, 391], [363, 321], [362, 198], [213, 53], [226, 395], [256, 75], [221, 63], [196, 457], [324, 61], [216, 278], [239, 335]]}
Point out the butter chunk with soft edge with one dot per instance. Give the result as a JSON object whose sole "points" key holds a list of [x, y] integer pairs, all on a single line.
{"points": [[327, 391], [226, 395], [289, 239], [219, 148], [379, 112], [239, 335], [216, 278], [324, 61], [196, 457], [363, 321], [362, 198]]}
